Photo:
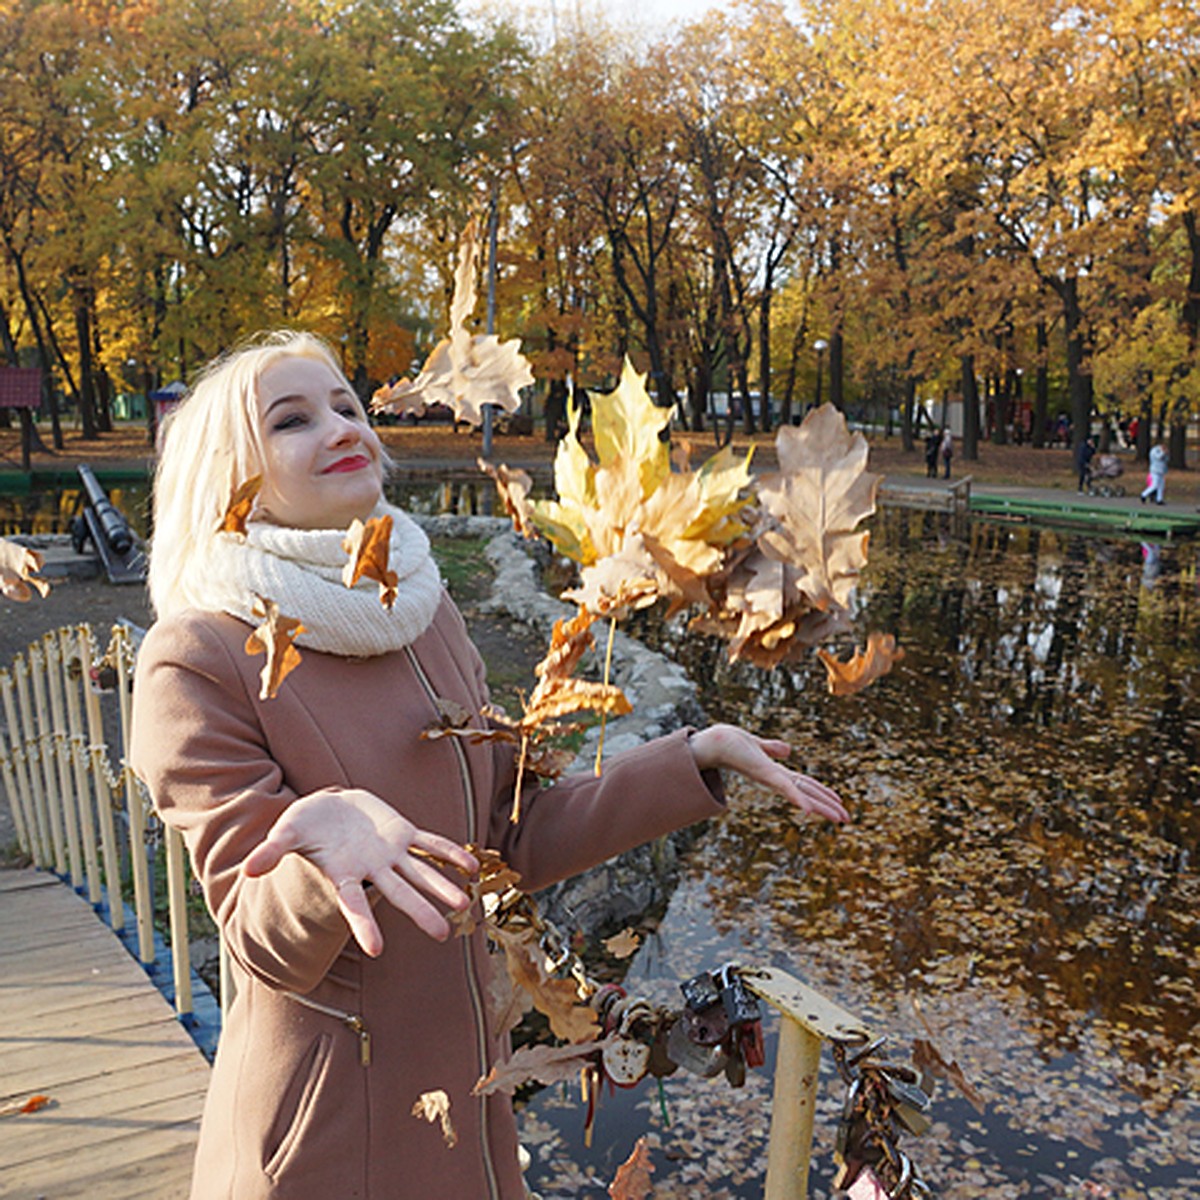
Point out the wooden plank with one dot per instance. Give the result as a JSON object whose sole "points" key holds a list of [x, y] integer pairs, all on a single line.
{"points": [[81, 1022]]}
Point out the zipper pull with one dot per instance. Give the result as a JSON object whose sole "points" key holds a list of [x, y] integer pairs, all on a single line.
{"points": [[364, 1039]]}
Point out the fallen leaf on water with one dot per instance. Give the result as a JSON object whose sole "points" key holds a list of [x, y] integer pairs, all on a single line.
{"points": [[18, 571], [623, 944], [274, 637], [435, 1106], [240, 507], [633, 1175], [847, 678], [368, 546]]}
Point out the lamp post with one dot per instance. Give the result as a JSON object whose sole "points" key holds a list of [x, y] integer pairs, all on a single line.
{"points": [[820, 346]]}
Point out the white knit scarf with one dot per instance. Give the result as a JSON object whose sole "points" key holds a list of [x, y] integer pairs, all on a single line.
{"points": [[301, 570]]}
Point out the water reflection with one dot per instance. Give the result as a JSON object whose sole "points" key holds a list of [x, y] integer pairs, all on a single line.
{"points": [[1022, 859], [49, 510]]}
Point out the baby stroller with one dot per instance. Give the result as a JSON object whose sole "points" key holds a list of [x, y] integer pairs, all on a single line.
{"points": [[1105, 468]]}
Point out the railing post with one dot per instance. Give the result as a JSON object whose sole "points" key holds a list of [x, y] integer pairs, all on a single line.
{"points": [[43, 742], [143, 902], [101, 769], [83, 793], [28, 764], [62, 754], [13, 756], [181, 963], [806, 1018]]}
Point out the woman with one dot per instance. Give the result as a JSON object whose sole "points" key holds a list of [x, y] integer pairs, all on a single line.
{"points": [[302, 813]]}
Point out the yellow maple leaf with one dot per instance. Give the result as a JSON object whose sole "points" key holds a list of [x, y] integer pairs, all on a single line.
{"points": [[435, 1106]]}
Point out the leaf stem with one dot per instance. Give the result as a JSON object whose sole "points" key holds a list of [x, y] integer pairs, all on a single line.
{"points": [[612, 633]]}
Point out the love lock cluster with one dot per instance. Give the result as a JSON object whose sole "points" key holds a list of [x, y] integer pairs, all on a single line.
{"points": [[883, 1099], [718, 1030]]}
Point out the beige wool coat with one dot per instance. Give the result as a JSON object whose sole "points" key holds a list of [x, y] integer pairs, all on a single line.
{"points": [[325, 1050]]}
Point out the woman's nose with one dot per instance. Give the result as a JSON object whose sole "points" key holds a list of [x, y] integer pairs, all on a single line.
{"points": [[344, 430]]}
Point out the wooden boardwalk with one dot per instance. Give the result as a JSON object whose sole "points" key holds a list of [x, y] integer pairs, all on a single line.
{"points": [[81, 1022]]}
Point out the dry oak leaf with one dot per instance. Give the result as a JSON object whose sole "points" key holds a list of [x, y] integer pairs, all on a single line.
{"points": [[539, 1064], [464, 372], [19, 567], [368, 546], [632, 1181], [558, 999], [848, 678], [513, 486], [240, 506], [274, 637], [435, 1106], [816, 500]]}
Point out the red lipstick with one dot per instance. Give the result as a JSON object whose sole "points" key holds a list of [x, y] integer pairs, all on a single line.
{"points": [[352, 462]]}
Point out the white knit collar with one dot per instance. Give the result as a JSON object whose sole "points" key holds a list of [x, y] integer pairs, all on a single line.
{"points": [[301, 570]]}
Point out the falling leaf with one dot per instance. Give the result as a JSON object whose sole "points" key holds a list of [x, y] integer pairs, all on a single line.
{"points": [[240, 507], [847, 678], [514, 486], [274, 637], [623, 944], [368, 546], [633, 1175], [464, 372], [19, 567], [539, 1064], [435, 1106], [19, 1107]]}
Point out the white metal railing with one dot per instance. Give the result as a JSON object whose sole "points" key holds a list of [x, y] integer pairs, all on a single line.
{"points": [[80, 812]]}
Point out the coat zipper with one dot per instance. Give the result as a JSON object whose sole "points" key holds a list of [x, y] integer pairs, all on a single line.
{"points": [[352, 1021], [473, 987]]}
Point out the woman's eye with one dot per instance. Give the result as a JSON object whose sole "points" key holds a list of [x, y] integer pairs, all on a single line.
{"points": [[292, 421], [349, 412]]}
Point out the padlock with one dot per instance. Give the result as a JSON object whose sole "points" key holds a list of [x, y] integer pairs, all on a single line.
{"points": [[700, 992], [740, 1005]]}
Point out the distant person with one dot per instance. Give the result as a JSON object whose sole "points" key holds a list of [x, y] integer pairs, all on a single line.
{"points": [[933, 440], [1084, 453], [1156, 481], [947, 450]]}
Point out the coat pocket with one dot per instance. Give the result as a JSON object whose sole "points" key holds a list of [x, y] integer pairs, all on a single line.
{"points": [[296, 1107]]}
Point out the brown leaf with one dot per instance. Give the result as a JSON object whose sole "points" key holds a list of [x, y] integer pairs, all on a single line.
{"points": [[15, 1108], [847, 678], [435, 1106], [558, 999], [240, 507], [18, 571], [538, 1064], [514, 487], [557, 697], [274, 637], [926, 1056], [570, 640], [368, 547], [633, 1175]]}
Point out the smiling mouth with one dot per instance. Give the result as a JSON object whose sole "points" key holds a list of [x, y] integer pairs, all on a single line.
{"points": [[355, 462]]}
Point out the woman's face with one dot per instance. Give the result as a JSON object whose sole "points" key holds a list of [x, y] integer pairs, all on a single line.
{"points": [[322, 462]]}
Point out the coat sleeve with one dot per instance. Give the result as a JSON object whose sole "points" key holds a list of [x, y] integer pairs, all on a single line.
{"points": [[198, 745], [582, 820]]}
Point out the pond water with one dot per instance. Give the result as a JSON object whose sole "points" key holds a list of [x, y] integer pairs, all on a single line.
{"points": [[1020, 877]]}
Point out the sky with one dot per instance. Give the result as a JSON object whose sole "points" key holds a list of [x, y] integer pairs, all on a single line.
{"points": [[651, 15]]}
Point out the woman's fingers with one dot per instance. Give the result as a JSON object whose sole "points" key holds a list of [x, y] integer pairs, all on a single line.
{"points": [[266, 855], [356, 908], [814, 797]]}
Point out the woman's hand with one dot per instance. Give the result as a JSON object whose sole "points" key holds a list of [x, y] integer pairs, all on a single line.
{"points": [[729, 747], [351, 836]]}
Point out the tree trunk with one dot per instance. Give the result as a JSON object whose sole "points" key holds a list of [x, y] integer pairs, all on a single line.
{"points": [[837, 370], [1079, 383], [970, 400], [87, 390]]}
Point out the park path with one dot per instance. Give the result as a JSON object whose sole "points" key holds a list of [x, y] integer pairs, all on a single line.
{"points": [[81, 1023]]}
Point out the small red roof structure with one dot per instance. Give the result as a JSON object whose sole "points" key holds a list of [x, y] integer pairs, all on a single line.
{"points": [[20, 387]]}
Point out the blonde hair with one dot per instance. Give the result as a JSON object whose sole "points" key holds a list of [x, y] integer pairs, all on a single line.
{"points": [[209, 446]]}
